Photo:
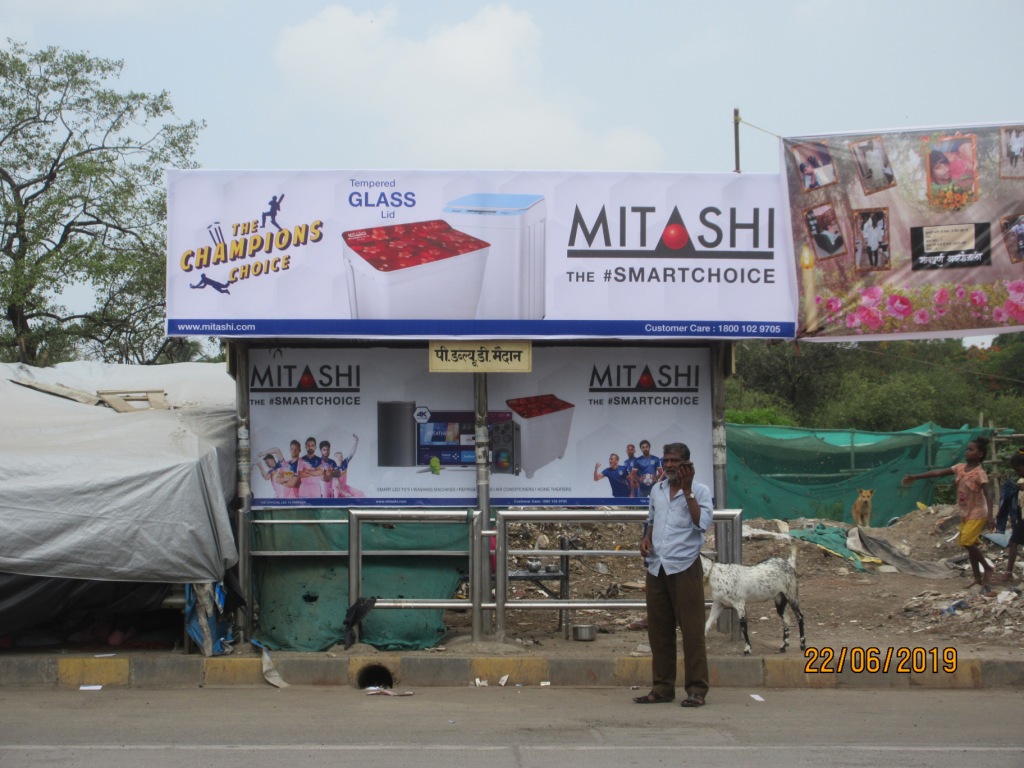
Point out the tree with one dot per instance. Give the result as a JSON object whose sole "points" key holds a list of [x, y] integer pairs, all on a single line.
{"points": [[878, 386], [82, 203]]}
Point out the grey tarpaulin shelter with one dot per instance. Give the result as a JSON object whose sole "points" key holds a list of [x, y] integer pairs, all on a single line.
{"points": [[93, 494]]}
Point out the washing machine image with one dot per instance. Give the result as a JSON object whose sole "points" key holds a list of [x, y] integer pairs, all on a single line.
{"points": [[513, 286], [544, 423], [423, 270]]}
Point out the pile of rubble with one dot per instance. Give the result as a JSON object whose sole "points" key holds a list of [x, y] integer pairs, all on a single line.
{"points": [[970, 613]]}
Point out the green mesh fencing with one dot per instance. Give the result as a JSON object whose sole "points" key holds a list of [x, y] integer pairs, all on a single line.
{"points": [[302, 599], [786, 472]]}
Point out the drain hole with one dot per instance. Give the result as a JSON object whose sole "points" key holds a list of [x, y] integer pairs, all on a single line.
{"points": [[374, 676]]}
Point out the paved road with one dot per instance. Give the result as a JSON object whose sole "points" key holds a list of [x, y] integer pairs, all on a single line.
{"points": [[515, 727]]}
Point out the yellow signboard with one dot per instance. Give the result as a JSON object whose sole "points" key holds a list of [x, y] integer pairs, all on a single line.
{"points": [[481, 356]]}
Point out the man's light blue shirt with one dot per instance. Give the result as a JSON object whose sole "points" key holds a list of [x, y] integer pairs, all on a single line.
{"points": [[675, 540]]}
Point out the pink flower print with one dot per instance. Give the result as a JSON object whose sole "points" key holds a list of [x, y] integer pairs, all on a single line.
{"points": [[1014, 310], [870, 297], [921, 317], [871, 317], [941, 296], [900, 306], [833, 304], [961, 292], [999, 315], [978, 299], [1016, 290], [853, 320]]}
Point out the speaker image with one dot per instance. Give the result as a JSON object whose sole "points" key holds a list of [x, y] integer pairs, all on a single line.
{"points": [[505, 450], [396, 433]]}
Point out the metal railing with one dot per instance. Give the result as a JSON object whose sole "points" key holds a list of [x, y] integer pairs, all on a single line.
{"points": [[355, 553], [728, 541], [475, 553]]}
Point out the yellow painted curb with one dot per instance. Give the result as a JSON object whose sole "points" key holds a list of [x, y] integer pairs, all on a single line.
{"points": [[76, 672], [966, 675], [519, 671], [633, 670], [233, 671], [791, 673]]}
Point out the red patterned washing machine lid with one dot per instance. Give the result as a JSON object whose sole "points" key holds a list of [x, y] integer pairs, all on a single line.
{"points": [[539, 405], [400, 246]]}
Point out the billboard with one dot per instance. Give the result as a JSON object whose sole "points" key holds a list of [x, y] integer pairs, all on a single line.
{"points": [[433, 255], [371, 427], [908, 234]]}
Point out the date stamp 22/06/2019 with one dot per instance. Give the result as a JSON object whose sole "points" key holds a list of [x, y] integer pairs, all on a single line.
{"points": [[869, 659]]}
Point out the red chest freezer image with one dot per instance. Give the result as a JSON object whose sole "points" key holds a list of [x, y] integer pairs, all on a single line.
{"points": [[408, 271], [544, 423]]}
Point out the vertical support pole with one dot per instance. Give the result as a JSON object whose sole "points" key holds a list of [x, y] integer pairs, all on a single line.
{"points": [[500, 575], [355, 556], [720, 355], [477, 562], [736, 136], [238, 362], [483, 476]]}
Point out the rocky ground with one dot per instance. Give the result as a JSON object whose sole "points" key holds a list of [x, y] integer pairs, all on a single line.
{"points": [[875, 607]]}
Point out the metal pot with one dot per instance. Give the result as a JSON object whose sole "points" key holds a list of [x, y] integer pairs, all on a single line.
{"points": [[584, 632]]}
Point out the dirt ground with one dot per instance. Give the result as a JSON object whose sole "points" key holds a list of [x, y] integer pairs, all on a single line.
{"points": [[842, 606]]}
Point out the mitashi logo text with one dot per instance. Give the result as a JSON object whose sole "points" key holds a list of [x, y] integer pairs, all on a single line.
{"points": [[627, 384], [305, 385], [640, 232]]}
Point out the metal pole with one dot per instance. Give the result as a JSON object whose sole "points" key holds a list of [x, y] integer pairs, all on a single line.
{"points": [[238, 354], [483, 479], [736, 136], [355, 557], [476, 563], [719, 358], [500, 575]]}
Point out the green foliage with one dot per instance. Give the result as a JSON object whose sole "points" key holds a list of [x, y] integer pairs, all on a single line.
{"points": [[82, 203], [759, 416], [834, 511], [749, 406], [880, 386]]}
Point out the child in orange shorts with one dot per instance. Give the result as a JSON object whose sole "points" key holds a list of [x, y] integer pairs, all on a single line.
{"points": [[974, 499]]}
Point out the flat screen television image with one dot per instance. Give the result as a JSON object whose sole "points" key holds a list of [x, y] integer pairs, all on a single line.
{"points": [[449, 437]]}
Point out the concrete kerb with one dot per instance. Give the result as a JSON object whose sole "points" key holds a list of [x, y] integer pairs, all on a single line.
{"points": [[406, 670]]}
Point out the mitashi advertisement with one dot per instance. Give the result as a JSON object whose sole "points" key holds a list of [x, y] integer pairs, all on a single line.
{"points": [[435, 254], [371, 427], [909, 234]]}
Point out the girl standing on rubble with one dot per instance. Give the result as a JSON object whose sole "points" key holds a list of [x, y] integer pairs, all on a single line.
{"points": [[974, 499]]}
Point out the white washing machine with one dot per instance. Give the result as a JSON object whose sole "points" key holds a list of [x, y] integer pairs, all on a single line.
{"points": [[544, 423], [513, 287], [424, 270]]}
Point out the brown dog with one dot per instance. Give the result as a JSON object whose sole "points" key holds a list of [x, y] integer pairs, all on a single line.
{"points": [[862, 509]]}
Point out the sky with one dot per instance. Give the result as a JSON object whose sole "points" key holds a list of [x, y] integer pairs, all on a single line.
{"points": [[644, 85]]}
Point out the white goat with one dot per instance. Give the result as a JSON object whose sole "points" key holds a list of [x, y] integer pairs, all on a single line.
{"points": [[733, 586]]}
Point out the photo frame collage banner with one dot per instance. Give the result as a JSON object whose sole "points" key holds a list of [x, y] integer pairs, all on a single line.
{"points": [[908, 234]]}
